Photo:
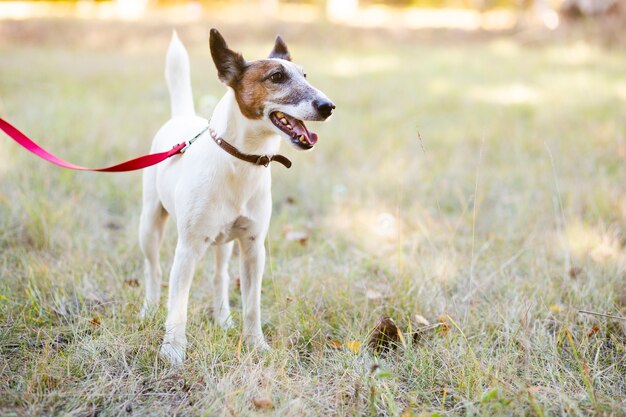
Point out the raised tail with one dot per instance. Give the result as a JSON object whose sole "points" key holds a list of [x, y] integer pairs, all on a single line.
{"points": [[178, 78]]}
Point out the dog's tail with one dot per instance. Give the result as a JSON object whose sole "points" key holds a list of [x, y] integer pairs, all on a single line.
{"points": [[178, 78]]}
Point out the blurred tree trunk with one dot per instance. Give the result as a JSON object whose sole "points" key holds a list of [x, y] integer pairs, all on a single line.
{"points": [[587, 7]]}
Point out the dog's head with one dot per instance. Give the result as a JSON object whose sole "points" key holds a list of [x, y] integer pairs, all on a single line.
{"points": [[273, 89]]}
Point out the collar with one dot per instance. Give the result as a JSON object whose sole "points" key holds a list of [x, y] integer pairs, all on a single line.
{"points": [[251, 158]]}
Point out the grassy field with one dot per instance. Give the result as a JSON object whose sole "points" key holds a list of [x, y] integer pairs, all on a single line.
{"points": [[501, 223]]}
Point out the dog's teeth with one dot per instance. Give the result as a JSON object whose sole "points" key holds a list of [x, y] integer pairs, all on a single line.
{"points": [[283, 121], [289, 126]]}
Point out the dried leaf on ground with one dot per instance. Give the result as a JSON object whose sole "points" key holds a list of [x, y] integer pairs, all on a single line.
{"points": [[574, 272], [95, 321], [335, 344], [444, 325], [594, 329], [354, 346], [297, 236], [385, 335], [263, 403], [556, 308], [420, 320], [131, 282]]}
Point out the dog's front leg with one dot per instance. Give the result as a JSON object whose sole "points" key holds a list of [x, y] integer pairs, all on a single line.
{"points": [[175, 341], [252, 265]]}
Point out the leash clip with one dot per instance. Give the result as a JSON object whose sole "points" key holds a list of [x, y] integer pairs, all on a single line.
{"points": [[264, 160], [187, 145]]}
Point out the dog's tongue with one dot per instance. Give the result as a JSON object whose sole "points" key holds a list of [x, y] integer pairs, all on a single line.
{"points": [[300, 129]]}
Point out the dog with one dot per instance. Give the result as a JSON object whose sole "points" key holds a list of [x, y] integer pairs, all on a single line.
{"points": [[219, 190]]}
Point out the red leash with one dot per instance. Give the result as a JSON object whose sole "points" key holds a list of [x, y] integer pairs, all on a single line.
{"points": [[132, 165]]}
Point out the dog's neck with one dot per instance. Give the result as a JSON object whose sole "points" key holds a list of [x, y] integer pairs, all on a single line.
{"points": [[248, 136]]}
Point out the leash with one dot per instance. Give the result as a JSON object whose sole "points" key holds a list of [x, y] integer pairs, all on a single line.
{"points": [[140, 162]]}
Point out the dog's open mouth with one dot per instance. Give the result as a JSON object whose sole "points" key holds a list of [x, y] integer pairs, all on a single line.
{"points": [[295, 129]]}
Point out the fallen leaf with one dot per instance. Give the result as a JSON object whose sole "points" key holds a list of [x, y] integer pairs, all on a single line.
{"points": [[421, 320], [132, 282], [95, 321], [290, 200], [354, 346], [594, 329], [556, 308], [444, 326], [297, 236], [385, 334], [574, 272], [335, 344], [263, 403]]}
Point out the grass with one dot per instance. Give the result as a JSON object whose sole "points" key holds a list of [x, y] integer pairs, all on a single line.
{"points": [[507, 218]]}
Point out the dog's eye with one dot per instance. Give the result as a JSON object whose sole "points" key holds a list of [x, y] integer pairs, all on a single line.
{"points": [[277, 77]]}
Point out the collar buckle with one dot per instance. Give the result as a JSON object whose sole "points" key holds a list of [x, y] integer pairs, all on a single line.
{"points": [[263, 160]]}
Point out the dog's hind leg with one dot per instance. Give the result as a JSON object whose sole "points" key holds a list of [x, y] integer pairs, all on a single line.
{"points": [[221, 307], [151, 225]]}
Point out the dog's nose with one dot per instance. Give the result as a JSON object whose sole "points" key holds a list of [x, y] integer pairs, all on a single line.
{"points": [[324, 107]]}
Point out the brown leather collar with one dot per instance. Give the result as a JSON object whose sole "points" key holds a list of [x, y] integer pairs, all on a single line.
{"points": [[253, 159]]}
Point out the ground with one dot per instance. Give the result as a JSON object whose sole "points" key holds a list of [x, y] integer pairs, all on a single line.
{"points": [[476, 180]]}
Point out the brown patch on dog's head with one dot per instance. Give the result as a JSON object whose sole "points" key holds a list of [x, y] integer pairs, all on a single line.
{"points": [[254, 87]]}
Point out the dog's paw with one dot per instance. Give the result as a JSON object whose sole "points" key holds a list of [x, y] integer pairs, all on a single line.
{"points": [[147, 311], [174, 353], [225, 322], [258, 344], [144, 313]]}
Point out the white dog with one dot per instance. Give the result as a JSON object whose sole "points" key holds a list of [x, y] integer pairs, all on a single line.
{"points": [[219, 189]]}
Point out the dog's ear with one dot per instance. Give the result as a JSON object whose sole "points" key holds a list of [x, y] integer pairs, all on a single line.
{"points": [[280, 50], [230, 64]]}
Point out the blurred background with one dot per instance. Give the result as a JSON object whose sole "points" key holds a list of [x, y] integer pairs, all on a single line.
{"points": [[459, 14]]}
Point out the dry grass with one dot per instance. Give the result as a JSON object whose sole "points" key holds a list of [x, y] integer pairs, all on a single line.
{"points": [[511, 218]]}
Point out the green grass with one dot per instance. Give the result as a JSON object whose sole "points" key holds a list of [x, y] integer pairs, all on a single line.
{"points": [[509, 218]]}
